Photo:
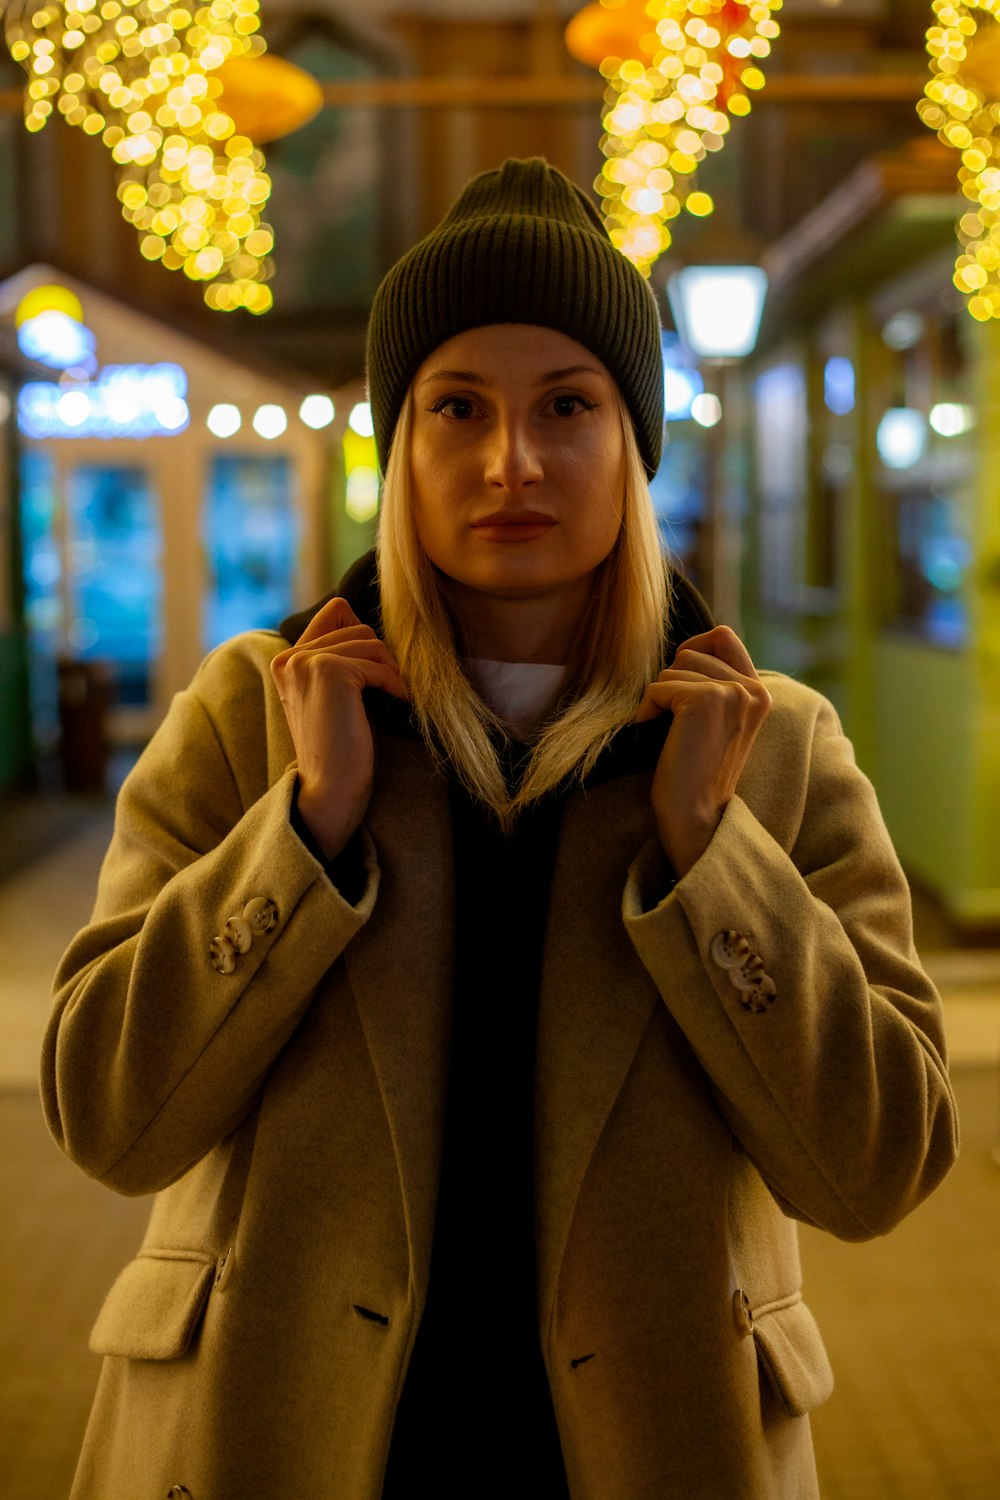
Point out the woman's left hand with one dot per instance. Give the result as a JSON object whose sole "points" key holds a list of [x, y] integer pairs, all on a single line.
{"points": [[718, 704]]}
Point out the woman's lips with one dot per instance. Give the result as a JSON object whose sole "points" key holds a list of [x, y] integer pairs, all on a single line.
{"points": [[513, 526]]}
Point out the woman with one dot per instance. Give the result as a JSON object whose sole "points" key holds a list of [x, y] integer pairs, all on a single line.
{"points": [[482, 997]]}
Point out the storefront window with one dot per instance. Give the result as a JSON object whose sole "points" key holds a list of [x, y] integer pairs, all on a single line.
{"points": [[780, 428], [251, 539], [43, 588], [924, 467], [114, 548]]}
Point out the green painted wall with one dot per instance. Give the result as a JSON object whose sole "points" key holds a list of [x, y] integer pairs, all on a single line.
{"points": [[925, 720], [923, 733]]}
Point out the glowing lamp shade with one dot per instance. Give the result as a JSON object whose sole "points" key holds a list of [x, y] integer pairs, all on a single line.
{"points": [[269, 421], [901, 437], [50, 328], [599, 31], [360, 420], [717, 309], [267, 97], [56, 340], [951, 418], [707, 409], [317, 412], [224, 420], [51, 298]]}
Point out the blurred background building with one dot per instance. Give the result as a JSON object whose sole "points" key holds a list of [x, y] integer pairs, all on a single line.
{"points": [[835, 502]]}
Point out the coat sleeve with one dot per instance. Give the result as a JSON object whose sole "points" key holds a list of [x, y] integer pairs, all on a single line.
{"points": [[152, 1056], [832, 1075]]}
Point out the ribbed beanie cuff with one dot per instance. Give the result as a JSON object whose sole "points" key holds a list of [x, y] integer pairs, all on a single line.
{"points": [[522, 244]]}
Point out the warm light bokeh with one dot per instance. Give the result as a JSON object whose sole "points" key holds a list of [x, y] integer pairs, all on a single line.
{"points": [[143, 74], [694, 64]]}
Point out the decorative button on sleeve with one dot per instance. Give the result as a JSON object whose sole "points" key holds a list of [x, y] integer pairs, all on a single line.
{"points": [[760, 997], [748, 975], [731, 951], [261, 913], [239, 932], [223, 955]]}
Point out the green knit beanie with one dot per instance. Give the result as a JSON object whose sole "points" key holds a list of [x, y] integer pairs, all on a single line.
{"points": [[522, 244]]}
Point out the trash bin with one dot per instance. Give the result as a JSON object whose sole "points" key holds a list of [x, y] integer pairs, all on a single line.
{"points": [[86, 689]]}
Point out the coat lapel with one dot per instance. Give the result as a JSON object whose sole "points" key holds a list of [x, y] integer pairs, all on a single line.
{"points": [[400, 968], [596, 1003]]}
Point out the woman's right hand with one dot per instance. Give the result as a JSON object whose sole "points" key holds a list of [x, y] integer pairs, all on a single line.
{"points": [[320, 681]]}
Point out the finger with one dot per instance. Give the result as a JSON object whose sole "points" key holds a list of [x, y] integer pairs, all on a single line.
{"points": [[335, 614], [723, 644], [699, 664], [332, 639], [361, 667], [678, 690]]}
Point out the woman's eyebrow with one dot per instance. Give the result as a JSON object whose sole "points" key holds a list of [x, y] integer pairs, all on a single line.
{"points": [[555, 375], [467, 377]]}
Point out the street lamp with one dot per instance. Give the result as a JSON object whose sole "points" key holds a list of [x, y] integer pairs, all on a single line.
{"points": [[717, 310]]}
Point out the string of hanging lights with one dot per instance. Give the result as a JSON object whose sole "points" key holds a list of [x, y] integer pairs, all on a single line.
{"points": [[148, 77], [691, 66], [961, 104]]}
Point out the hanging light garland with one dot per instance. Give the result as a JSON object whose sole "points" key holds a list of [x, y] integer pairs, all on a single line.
{"points": [[697, 64], [961, 104], [148, 77]]}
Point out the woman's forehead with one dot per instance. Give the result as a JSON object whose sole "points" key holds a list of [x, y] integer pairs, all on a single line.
{"points": [[496, 351]]}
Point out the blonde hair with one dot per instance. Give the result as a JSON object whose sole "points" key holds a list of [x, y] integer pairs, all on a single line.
{"points": [[618, 651]]}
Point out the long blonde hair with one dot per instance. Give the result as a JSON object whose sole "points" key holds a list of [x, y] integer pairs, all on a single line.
{"points": [[619, 646]]}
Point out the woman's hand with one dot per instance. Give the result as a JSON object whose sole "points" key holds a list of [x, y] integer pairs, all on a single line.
{"points": [[718, 703], [319, 681]]}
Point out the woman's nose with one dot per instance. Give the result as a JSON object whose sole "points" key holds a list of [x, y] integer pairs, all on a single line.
{"points": [[513, 459]]}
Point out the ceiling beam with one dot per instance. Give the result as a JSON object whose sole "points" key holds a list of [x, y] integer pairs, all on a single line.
{"points": [[534, 91]]}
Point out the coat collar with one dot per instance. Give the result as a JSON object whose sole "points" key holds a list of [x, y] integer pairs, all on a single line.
{"points": [[635, 747]]}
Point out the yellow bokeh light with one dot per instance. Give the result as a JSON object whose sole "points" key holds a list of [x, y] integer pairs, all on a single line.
{"points": [[699, 204], [664, 114], [142, 75], [959, 104]]}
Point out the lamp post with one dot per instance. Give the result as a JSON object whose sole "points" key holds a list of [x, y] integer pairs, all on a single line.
{"points": [[717, 310]]}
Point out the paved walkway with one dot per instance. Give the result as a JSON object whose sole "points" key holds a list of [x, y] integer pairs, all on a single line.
{"points": [[912, 1321]]}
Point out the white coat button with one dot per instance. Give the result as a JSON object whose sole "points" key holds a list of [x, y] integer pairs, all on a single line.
{"points": [[261, 913], [223, 955], [728, 949], [224, 1269], [742, 1311], [760, 997], [749, 974], [239, 932]]}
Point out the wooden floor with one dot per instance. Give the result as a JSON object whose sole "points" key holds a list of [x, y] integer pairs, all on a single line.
{"points": [[912, 1322]]}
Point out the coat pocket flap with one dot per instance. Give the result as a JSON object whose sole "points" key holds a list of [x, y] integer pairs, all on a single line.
{"points": [[792, 1354], [153, 1308]]}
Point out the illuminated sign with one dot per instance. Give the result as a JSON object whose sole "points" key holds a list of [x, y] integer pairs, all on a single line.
{"points": [[134, 401], [53, 338], [51, 330]]}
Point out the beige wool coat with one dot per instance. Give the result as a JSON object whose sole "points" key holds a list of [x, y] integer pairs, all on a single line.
{"points": [[758, 1046]]}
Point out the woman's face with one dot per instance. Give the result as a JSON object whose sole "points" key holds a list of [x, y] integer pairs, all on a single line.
{"points": [[517, 461]]}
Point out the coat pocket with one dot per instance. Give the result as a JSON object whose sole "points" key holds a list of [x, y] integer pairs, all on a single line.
{"points": [[792, 1355], [154, 1307]]}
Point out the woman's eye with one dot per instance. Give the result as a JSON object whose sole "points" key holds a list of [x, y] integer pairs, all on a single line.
{"points": [[459, 407], [568, 406]]}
